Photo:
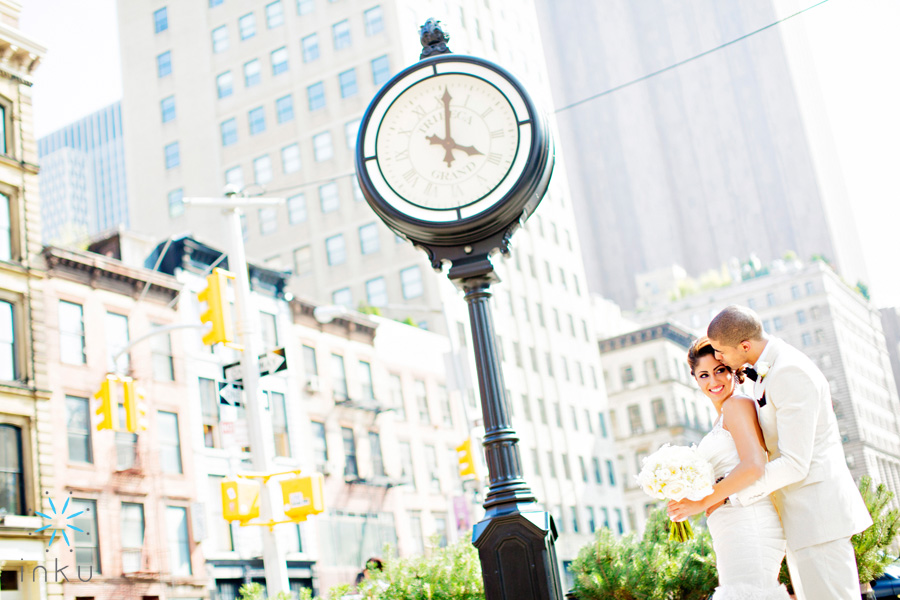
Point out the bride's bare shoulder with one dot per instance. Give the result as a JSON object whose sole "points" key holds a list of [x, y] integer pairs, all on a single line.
{"points": [[739, 402]]}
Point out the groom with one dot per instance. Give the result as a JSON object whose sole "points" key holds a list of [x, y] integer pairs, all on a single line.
{"points": [[807, 473]]}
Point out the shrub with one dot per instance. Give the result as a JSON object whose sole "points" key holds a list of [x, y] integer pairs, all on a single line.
{"points": [[649, 568]]}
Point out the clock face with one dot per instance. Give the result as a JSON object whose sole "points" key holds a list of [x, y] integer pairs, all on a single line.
{"points": [[447, 141]]}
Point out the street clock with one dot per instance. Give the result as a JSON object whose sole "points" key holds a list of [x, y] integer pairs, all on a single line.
{"points": [[453, 155]]}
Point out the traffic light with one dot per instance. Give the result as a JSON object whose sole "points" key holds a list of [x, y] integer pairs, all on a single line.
{"points": [[240, 500], [466, 459], [218, 310], [303, 496], [135, 409], [108, 411]]}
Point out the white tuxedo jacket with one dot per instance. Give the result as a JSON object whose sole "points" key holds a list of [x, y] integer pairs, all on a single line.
{"points": [[807, 473]]}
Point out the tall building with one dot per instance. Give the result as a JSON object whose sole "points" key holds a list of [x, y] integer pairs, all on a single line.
{"points": [[726, 155], [653, 401], [815, 310], [82, 178], [269, 98], [26, 425], [890, 320]]}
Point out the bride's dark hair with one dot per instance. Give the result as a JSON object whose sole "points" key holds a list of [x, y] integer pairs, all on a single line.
{"points": [[703, 347]]}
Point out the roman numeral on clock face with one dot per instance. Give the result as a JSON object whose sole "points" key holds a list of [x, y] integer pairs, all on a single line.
{"points": [[410, 176], [494, 158], [402, 155], [498, 133]]}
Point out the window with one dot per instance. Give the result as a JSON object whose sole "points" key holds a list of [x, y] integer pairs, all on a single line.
{"points": [[235, 176], [659, 413], [329, 200], [167, 108], [368, 238], [779, 324], [411, 281], [347, 80], [274, 15], [376, 292], [257, 119], [160, 20], [651, 369], [634, 419], [6, 246], [351, 131], [310, 364], [551, 461], [319, 445], [262, 169], [229, 132], [173, 157], [406, 463], [549, 364], [574, 519], [296, 206], [342, 297], [612, 474], [132, 517], [179, 542], [169, 442], [268, 220], [303, 263], [279, 424], [225, 84], [284, 109], [770, 299], [374, 20], [247, 26], [381, 70], [810, 288], [365, 378], [395, 388], [338, 376], [84, 539], [602, 420], [795, 291], [375, 451], [322, 149], [422, 401], [78, 428], [627, 375], [176, 203], [116, 339], [316, 95], [526, 407], [290, 159], [279, 61], [161, 356], [566, 469], [341, 33], [431, 466], [310, 47], [801, 316], [557, 411], [806, 338], [220, 39], [542, 410], [209, 407], [252, 73], [598, 476], [164, 64], [350, 466], [71, 333]]}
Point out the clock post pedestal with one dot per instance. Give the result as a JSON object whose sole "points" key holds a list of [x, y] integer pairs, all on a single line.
{"points": [[515, 540]]}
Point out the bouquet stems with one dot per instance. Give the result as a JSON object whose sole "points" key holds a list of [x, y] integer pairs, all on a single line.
{"points": [[680, 531]]}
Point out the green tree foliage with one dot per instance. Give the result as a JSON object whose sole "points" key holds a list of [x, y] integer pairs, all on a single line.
{"points": [[649, 568], [872, 545]]}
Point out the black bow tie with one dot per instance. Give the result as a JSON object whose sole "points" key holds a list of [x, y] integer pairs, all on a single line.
{"points": [[762, 401], [751, 374]]}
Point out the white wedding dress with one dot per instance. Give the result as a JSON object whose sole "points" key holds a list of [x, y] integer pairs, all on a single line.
{"points": [[748, 540]]}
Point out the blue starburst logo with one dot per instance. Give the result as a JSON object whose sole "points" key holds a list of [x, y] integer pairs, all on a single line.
{"points": [[58, 516]]}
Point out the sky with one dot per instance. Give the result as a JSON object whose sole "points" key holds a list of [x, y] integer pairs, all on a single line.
{"points": [[853, 42]]}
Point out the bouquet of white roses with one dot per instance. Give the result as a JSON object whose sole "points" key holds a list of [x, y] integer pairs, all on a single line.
{"points": [[676, 473]]}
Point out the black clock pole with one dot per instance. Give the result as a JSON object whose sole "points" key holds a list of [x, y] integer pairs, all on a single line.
{"points": [[515, 540]]}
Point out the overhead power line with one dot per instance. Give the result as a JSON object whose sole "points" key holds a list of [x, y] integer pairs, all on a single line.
{"points": [[685, 61]]}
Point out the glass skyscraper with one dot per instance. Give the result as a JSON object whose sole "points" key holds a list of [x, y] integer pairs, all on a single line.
{"points": [[82, 177]]}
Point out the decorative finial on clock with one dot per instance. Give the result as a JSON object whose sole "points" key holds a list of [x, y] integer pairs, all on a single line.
{"points": [[434, 38]]}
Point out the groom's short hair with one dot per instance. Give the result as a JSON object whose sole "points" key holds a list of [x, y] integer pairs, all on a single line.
{"points": [[734, 325]]}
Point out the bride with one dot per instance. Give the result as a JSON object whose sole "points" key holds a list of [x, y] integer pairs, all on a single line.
{"points": [[748, 540]]}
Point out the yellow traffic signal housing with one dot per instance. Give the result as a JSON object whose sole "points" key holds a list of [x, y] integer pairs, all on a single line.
{"points": [[218, 309], [466, 459], [240, 500], [135, 408], [108, 411], [303, 496]]}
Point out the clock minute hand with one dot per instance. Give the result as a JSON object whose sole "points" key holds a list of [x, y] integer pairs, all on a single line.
{"points": [[446, 100], [470, 150]]}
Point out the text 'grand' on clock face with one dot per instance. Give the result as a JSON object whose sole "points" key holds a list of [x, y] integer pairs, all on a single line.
{"points": [[447, 141]]}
